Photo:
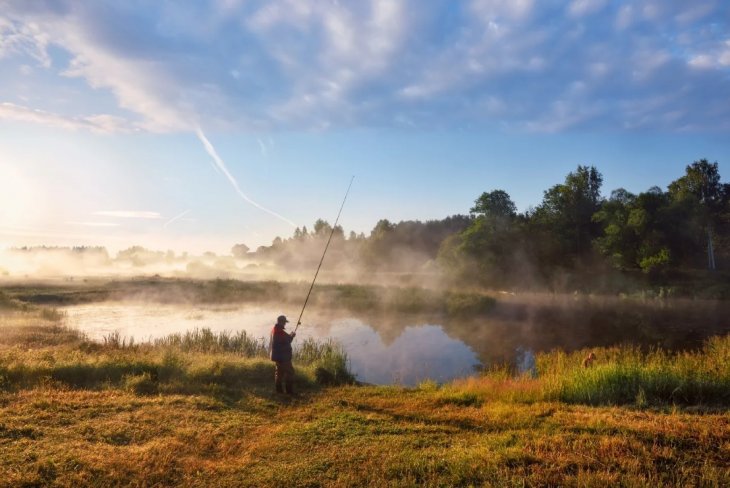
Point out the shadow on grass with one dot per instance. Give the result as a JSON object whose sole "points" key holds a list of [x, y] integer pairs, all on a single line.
{"points": [[228, 380]]}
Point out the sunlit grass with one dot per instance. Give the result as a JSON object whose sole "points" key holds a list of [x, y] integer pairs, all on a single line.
{"points": [[38, 349], [204, 340], [198, 409], [621, 376]]}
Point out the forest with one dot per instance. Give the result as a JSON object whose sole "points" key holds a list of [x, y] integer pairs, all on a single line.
{"points": [[575, 238]]}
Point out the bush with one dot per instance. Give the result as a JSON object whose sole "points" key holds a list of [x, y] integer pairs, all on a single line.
{"points": [[141, 384]]}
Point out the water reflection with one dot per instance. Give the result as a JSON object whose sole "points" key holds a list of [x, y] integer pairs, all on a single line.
{"points": [[406, 354], [407, 349], [420, 352]]}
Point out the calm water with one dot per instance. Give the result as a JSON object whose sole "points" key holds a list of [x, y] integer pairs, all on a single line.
{"points": [[419, 351], [408, 349]]}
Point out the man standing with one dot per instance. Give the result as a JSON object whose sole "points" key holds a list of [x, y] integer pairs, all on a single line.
{"points": [[281, 354]]}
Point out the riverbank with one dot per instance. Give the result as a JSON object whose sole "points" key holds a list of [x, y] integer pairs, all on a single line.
{"points": [[200, 412], [357, 298]]}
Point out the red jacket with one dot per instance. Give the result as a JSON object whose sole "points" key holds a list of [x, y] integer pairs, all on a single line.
{"points": [[280, 345]]}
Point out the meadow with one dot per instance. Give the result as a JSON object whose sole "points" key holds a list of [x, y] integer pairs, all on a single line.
{"points": [[197, 409]]}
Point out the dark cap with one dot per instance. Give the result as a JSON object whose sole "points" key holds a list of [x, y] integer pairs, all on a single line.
{"points": [[281, 319]]}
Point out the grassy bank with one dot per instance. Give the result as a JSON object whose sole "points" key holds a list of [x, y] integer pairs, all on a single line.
{"points": [[225, 365], [197, 409], [619, 376], [369, 298]]}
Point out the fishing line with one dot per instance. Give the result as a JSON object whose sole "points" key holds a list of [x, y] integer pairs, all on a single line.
{"points": [[299, 320]]}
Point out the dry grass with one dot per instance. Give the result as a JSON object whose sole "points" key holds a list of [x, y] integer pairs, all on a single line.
{"points": [[213, 421], [349, 436]]}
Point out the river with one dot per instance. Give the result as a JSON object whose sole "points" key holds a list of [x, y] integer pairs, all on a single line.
{"points": [[407, 349]]}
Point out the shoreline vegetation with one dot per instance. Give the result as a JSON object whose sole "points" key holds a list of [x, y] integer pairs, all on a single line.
{"points": [[387, 299], [197, 408]]}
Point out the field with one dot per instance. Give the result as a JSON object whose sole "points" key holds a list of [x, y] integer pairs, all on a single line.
{"points": [[198, 410]]}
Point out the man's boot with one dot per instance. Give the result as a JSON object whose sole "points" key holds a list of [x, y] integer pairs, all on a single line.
{"points": [[279, 389], [289, 389]]}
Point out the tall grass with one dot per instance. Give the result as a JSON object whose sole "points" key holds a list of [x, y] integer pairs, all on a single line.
{"points": [[198, 361], [205, 340], [330, 361], [621, 376], [699, 377]]}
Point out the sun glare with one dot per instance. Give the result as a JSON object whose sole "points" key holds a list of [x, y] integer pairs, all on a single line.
{"points": [[17, 198]]}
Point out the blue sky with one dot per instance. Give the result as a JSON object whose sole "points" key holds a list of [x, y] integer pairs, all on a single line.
{"points": [[196, 125]]}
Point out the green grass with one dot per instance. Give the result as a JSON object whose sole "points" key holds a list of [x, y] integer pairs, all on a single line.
{"points": [[197, 362], [204, 340], [620, 376]]}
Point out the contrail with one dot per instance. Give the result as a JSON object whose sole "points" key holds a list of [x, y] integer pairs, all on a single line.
{"points": [[221, 166], [262, 146], [176, 217]]}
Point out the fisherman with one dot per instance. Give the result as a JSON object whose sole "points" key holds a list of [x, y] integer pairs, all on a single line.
{"points": [[281, 353]]}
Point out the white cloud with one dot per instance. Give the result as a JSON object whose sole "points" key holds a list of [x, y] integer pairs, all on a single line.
{"points": [[313, 65], [718, 57], [625, 17], [693, 13], [24, 38], [579, 8], [495, 9], [702, 61], [94, 224], [129, 214], [98, 123]]}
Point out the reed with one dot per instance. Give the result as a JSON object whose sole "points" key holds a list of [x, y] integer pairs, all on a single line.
{"points": [[205, 340]]}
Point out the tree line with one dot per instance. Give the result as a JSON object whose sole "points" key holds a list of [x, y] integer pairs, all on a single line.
{"points": [[576, 234]]}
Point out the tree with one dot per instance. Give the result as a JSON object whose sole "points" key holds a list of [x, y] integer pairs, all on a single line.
{"points": [[495, 204], [650, 231], [701, 187], [376, 251], [619, 241], [322, 228], [488, 243], [239, 250], [700, 182], [567, 212]]}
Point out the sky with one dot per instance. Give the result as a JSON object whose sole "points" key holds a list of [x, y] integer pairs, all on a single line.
{"points": [[197, 125]]}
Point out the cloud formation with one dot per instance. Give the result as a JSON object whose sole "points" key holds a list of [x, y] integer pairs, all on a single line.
{"points": [[550, 66], [129, 214], [102, 123]]}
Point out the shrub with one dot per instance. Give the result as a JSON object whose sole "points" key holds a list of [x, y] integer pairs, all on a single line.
{"points": [[140, 384]]}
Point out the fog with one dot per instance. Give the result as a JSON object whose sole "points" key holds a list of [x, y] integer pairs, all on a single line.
{"points": [[70, 263]]}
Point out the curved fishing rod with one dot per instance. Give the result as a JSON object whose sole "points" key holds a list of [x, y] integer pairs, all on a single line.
{"points": [[299, 320]]}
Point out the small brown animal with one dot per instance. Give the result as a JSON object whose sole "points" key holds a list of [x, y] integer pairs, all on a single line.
{"points": [[588, 361]]}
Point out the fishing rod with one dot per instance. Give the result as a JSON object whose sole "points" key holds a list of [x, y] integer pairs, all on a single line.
{"points": [[299, 320]]}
